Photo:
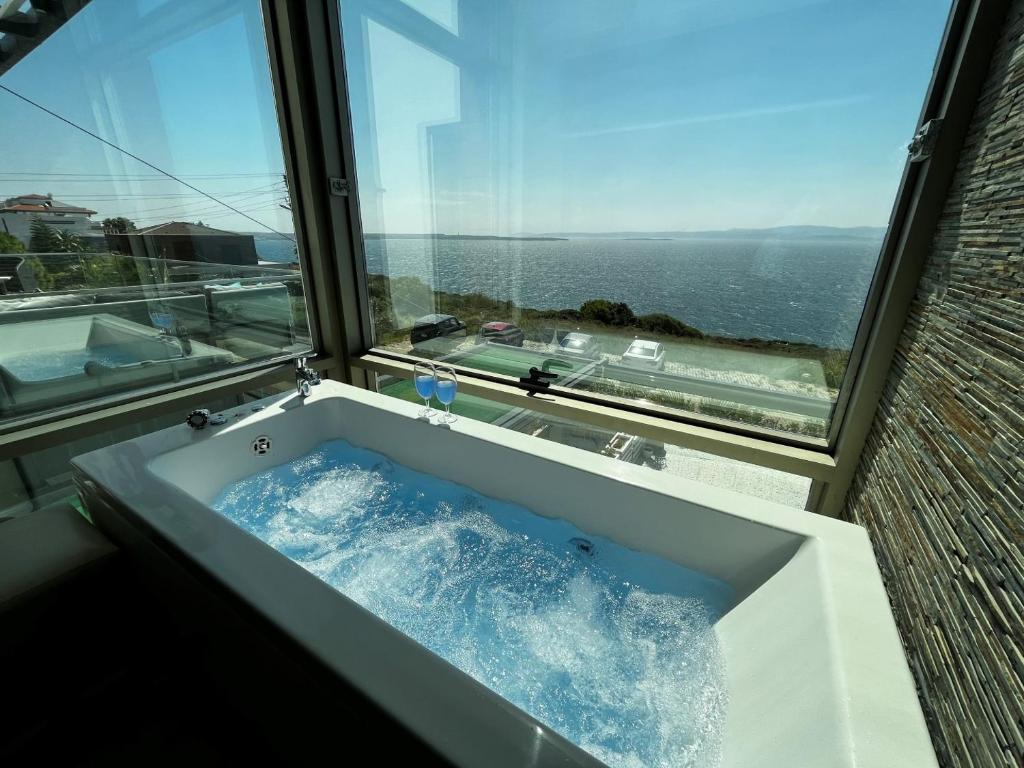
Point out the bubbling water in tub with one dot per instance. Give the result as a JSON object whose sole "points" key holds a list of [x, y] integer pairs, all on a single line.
{"points": [[612, 648]]}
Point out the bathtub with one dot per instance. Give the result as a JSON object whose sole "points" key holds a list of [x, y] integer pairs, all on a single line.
{"points": [[815, 671], [144, 356]]}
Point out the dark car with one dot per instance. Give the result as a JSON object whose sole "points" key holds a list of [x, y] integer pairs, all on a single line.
{"points": [[501, 333], [435, 327]]}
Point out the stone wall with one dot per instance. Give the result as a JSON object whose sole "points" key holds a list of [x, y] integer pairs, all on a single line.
{"points": [[940, 486]]}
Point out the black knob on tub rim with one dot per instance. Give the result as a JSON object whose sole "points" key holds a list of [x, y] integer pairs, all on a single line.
{"points": [[537, 379], [198, 418]]}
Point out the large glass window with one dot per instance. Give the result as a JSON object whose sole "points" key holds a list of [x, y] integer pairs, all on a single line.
{"points": [[761, 482], [680, 204], [35, 480], [145, 230]]}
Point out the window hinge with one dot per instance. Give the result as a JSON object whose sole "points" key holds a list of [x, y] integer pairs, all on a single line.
{"points": [[338, 186], [923, 143]]}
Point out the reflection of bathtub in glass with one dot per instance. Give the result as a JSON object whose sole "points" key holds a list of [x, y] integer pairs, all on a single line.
{"points": [[46, 363], [254, 320], [813, 666]]}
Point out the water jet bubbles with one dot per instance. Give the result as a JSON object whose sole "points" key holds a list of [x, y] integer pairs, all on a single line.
{"points": [[612, 648], [384, 468]]}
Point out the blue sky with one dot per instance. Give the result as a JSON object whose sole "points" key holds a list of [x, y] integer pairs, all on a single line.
{"points": [[183, 84], [497, 117], [639, 115]]}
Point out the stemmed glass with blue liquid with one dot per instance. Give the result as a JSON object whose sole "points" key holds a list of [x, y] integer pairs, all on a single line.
{"points": [[424, 377], [446, 387]]}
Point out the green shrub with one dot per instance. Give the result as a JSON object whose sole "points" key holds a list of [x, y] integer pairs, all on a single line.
{"points": [[607, 312], [661, 323], [10, 244]]}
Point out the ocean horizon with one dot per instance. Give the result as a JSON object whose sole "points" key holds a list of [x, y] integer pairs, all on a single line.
{"points": [[801, 290]]}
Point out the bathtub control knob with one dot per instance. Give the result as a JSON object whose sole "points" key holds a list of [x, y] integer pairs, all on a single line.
{"points": [[198, 419]]}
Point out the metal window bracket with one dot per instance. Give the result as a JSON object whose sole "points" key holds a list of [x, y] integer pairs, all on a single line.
{"points": [[923, 143]]}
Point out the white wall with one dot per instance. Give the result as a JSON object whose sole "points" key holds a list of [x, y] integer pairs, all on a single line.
{"points": [[19, 224]]}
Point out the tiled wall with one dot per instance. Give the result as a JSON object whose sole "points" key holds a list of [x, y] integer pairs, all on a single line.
{"points": [[940, 487]]}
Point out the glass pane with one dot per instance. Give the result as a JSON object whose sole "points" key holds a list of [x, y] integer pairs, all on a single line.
{"points": [[32, 481], [145, 235], [750, 479], [710, 179]]}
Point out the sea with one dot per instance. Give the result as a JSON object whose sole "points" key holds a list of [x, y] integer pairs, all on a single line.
{"points": [[802, 290]]}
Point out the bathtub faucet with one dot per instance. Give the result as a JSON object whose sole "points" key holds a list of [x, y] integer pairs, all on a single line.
{"points": [[305, 378]]}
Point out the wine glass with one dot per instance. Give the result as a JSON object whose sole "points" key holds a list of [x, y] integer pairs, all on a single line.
{"points": [[424, 376], [447, 385]]}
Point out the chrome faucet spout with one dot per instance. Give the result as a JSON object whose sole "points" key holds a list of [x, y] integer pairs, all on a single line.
{"points": [[305, 378]]}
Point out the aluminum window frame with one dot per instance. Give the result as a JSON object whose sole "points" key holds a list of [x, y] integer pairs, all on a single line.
{"points": [[306, 55], [962, 62]]}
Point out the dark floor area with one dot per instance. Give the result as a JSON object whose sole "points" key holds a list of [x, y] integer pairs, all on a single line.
{"points": [[142, 717], [137, 660], [95, 674]]}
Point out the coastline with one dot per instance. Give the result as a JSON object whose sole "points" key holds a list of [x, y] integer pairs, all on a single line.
{"points": [[414, 298]]}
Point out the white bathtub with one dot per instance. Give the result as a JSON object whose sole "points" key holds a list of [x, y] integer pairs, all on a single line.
{"points": [[816, 674], [147, 357]]}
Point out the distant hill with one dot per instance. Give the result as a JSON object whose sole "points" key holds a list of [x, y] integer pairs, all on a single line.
{"points": [[439, 236], [797, 232]]}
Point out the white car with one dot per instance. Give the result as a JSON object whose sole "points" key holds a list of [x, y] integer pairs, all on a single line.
{"points": [[645, 354], [580, 345]]}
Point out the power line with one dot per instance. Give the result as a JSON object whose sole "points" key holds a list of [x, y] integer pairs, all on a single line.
{"points": [[136, 157], [246, 207], [113, 183], [267, 207], [138, 177], [84, 196], [146, 221], [188, 208], [107, 196], [143, 222]]}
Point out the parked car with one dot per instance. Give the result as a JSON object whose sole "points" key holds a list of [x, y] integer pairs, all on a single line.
{"points": [[580, 345], [501, 333], [645, 354], [436, 326]]}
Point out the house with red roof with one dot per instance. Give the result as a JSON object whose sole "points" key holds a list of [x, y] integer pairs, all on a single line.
{"points": [[18, 213]]}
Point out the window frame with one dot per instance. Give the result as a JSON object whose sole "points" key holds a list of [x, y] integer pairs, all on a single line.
{"points": [[37, 431], [306, 56], [964, 52]]}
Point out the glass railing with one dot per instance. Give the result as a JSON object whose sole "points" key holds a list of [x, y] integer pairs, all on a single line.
{"points": [[146, 232], [80, 326], [761, 482], [785, 387]]}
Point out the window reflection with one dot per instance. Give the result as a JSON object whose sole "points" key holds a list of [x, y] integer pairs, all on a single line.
{"points": [[145, 230], [710, 179]]}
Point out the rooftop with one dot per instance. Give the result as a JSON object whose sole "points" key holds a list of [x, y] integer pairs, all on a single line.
{"points": [[29, 204], [181, 228], [29, 208]]}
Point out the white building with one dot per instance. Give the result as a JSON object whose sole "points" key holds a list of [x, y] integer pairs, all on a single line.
{"points": [[18, 213]]}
